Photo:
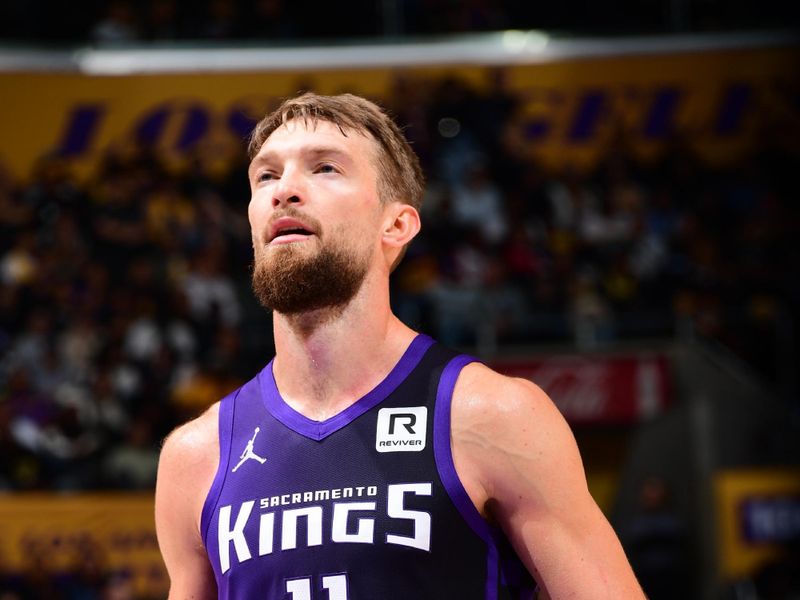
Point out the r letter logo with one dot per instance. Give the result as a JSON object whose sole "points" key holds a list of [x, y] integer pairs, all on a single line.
{"points": [[401, 429]]}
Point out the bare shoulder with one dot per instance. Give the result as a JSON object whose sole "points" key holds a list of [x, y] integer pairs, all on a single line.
{"points": [[186, 470], [501, 424], [188, 462], [486, 399], [518, 461], [194, 437]]}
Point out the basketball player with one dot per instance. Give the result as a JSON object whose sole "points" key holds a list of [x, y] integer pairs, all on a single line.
{"points": [[366, 462]]}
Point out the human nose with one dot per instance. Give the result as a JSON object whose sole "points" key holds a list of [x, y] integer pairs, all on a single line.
{"points": [[289, 189]]}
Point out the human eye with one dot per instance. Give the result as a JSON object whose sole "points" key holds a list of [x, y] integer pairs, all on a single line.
{"points": [[265, 176], [326, 168]]}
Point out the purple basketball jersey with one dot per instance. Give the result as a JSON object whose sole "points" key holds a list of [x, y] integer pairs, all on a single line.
{"points": [[365, 505]]}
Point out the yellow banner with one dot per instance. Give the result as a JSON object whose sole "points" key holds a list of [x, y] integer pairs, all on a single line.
{"points": [[114, 532], [61, 533], [758, 511], [723, 102]]}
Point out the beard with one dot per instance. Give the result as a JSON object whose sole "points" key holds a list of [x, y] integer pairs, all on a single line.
{"points": [[292, 282]]}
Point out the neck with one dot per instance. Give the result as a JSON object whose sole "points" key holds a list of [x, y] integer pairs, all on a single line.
{"points": [[327, 359]]}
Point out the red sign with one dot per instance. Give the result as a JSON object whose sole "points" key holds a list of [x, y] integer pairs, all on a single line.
{"points": [[613, 390]]}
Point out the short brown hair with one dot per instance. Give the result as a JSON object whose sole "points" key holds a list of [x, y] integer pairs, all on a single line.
{"points": [[400, 176]]}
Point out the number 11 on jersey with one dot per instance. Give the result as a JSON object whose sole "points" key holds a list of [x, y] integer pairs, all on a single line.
{"points": [[300, 589]]}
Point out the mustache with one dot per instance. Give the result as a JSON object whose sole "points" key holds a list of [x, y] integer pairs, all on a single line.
{"points": [[292, 213]]}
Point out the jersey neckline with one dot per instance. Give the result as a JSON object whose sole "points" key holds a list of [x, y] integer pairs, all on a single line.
{"points": [[318, 430]]}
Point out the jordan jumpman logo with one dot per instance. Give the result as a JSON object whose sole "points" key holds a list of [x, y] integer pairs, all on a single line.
{"points": [[248, 452]]}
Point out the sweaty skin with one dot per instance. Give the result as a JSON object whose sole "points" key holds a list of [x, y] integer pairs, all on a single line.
{"points": [[512, 449]]}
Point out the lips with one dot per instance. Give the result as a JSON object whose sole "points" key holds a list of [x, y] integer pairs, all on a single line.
{"points": [[288, 229]]}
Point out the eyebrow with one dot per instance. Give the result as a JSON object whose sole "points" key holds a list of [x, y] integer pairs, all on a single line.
{"points": [[313, 152]]}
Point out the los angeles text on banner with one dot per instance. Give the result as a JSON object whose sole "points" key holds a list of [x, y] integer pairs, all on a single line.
{"points": [[573, 109]]}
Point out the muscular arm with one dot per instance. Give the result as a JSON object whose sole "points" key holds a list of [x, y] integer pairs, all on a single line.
{"points": [[185, 471], [521, 467]]}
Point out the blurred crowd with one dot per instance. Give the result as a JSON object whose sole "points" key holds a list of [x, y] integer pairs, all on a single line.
{"points": [[125, 306], [86, 575], [147, 21]]}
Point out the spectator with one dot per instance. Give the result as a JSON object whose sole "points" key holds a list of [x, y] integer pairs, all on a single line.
{"points": [[132, 465], [476, 202], [118, 25], [211, 294], [656, 540]]}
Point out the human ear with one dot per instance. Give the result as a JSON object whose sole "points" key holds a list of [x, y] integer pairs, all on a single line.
{"points": [[401, 225]]}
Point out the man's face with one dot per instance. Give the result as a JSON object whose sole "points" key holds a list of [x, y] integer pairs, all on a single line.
{"points": [[314, 215]]}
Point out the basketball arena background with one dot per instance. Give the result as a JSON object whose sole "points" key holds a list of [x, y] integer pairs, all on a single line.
{"points": [[612, 211]]}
